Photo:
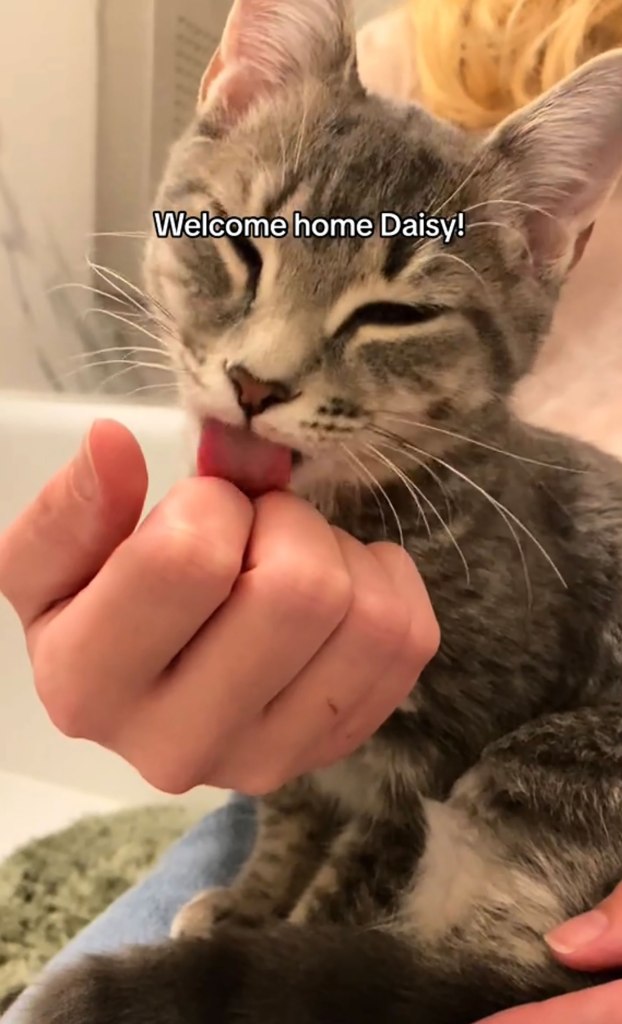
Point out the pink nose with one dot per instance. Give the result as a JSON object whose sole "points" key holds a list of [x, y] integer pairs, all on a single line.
{"points": [[254, 395]]}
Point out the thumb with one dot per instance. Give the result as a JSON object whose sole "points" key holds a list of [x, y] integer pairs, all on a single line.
{"points": [[64, 537], [592, 941]]}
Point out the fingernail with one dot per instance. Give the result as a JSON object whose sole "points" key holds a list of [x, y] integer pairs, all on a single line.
{"points": [[578, 933], [85, 478]]}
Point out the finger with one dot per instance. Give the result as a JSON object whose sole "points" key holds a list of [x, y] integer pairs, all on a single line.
{"points": [[366, 719], [418, 648], [293, 595], [330, 685], [592, 941], [406, 580], [601, 1005], [107, 649], [66, 534]]}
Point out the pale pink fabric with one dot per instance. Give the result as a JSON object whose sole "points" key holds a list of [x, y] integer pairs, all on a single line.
{"points": [[576, 386]]}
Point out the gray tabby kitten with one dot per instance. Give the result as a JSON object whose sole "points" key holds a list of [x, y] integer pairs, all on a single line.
{"points": [[414, 881]]}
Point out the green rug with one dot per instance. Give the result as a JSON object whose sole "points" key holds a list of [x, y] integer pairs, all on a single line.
{"points": [[52, 888]]}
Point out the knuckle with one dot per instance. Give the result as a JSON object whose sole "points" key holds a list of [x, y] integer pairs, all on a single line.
{"points": [[224, 497], [75, 717], [66, 710], [338, 591], [384, 621], [182, 554], [173, 777], [71, 706], [304, 586], [424, 640], [67, 718], [225, 564], [261, 782], [63, 704], [432, 638]]}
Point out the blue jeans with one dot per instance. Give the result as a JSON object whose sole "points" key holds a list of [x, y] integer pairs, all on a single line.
{"points": [[209, 855]]}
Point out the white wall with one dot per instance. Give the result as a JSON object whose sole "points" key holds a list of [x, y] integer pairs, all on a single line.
{"points": [[48, 75], [90, 97], [152, 55]]}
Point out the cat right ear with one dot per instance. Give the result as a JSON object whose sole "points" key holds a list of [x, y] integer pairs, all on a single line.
{"points": [[562, 156], [267, 44]]}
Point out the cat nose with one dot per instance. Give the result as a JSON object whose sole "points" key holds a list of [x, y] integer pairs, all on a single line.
{"points": [[254, 395]]}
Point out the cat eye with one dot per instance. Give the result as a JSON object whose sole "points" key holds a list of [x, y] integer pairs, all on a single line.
{"points": [[391, 314], [251, 257]]}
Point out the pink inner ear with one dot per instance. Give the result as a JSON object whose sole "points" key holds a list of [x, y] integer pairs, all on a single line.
{"points": [[235, 84], [235, 76], [549, 241], [268, 43], [580, 245], [214, 69]]}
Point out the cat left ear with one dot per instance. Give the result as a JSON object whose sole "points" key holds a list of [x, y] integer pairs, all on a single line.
{"points": [[267, 44], [562, 155]]}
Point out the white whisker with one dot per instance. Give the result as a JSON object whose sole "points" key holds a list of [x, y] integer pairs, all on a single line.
{"points": [[502, 509], [118, 234], [478, 444], [508, 202], [126, 363], [91, 289], [432, 506], [377, 484], [470, 173], [370, 490], [437, 254], [122, 319], [404, 479], [301, 132], [118, 349], [283, 149], [107, 272], [497, 224], [126, 369], [114, 280], [151, 387]]}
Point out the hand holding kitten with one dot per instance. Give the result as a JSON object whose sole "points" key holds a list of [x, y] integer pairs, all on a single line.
{"points": [[591, 942], [158, 642]]}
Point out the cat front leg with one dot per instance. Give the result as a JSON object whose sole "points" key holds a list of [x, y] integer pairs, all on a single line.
{"points": [[368, 867], [295, 827]]}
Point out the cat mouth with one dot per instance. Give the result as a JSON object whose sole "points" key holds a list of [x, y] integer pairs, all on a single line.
{"points": [[252, 463]]}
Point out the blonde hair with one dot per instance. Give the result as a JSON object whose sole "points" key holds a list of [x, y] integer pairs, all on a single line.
{"points": [[479, 60]]}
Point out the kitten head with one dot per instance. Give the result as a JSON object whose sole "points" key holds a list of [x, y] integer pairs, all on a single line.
{"points": [[329, 345]]}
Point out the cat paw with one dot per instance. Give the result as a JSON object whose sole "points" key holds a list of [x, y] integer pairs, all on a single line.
{"points": [[198, 918]]}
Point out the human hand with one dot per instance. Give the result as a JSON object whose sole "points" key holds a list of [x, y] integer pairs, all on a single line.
{"points": [[221, 642], [592, 942]]}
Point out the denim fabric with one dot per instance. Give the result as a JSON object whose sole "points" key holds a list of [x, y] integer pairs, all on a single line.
{"points": [[207, 856]]}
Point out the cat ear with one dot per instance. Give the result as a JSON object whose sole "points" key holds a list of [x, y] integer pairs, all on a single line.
{"points": [[269, 43], [563, 153]]}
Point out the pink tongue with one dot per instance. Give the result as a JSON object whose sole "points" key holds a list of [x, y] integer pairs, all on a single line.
{"points": [[254, 465]]}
